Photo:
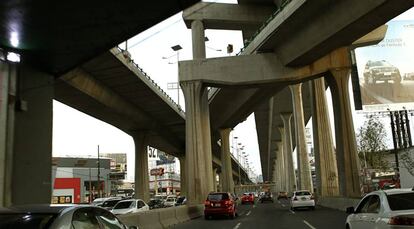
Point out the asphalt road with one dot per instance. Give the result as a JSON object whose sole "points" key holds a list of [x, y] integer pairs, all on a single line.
{"points": [[273, 215]]}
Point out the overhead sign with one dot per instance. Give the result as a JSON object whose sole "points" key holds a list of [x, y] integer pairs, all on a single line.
{"points": [[157, 172]]}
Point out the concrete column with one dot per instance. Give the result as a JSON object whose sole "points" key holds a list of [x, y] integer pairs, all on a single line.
{"points": [[304, 171], [226, 169], [325, 161], [199, 46], [183, 184], [214, 179], [141, 167], [198, 142], [221, 181], [287, 150], [26, 116], [346, 155], [282, 165]]}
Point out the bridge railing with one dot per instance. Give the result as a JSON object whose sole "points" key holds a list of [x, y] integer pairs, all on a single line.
{"points": [[265, 23], [128, 56]]}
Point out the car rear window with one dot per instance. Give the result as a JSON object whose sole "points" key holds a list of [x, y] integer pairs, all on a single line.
{"points": [[110, 203], [123, 205], [302, 193], [218, 196], [26, 221], [403, 201]]}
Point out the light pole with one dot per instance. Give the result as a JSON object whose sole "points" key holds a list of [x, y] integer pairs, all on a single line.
{"points": [[175, 85]]}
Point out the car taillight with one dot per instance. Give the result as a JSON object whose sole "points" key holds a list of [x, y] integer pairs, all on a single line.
{"points": [[207, 203], [401, 220], [227, 203]]}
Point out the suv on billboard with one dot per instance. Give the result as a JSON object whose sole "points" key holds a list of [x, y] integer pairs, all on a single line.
{"points": [[381, 71]]}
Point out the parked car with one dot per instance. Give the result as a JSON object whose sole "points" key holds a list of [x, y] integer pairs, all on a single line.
{"points": [[409, 76], [181, 201], [282, 195], [155, 203], [170, 201], [99, 201], [381, 71], [247, 198], [302, 199], [220, 204], [110, 203], [58, 217], [130, 206], [382, 209], [266, 197]]}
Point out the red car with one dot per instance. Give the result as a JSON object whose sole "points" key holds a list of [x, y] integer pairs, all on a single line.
{"points": [[247, 198], [220, 204]]}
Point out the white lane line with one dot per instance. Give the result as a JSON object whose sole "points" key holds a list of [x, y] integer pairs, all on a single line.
{"points": [[254, 206], [237, 226], [309, 225], [292, 211], [248, 213], [283, 205]]}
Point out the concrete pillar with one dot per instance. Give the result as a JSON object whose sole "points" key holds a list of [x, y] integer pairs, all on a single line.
{"points": [[214, 179], [183, 184], [226, 169], [287, 150], [141, 167], [199, 46], [25, 135], [325, 161], [304, 170], [346, 154], [198, 142], [221, 181]]}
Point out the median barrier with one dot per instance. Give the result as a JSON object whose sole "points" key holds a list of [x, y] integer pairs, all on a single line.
{"points": [[168, 217], [195, 211], [181, 213], [339, 203], [144, 220]]}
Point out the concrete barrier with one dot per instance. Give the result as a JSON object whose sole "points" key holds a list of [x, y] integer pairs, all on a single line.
{"points": [[195, 211], [167, 217], [144, 220], [181, 213], [339, 203]]}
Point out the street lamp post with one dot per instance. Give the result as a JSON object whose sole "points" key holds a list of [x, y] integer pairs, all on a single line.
{"points": [[175, 85]]}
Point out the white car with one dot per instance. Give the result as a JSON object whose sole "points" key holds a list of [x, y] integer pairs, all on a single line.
{"points": [[170, 201], [381, 209], [302, 199], [130, 206]]}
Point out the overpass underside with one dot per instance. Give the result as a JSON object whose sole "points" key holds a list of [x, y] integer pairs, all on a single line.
{"points": [[289, 58]]}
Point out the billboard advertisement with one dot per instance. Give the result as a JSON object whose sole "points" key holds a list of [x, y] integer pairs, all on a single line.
{"points": [[386, 70]]}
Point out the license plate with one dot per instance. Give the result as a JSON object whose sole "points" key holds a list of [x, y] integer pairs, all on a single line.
{"points": [[303, 198], [217, 205], [387, 73]]}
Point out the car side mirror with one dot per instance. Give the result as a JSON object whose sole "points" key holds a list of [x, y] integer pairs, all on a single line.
{"points": [[350, 210]]}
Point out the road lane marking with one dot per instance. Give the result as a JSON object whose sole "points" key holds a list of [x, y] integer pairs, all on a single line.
{"points": [[309, 225], [254, 206], [283, 205], [292, 211], [248, 213], [237, 226]]}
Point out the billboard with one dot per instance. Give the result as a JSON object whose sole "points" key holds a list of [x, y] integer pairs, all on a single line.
{"points": [[386, 70]]}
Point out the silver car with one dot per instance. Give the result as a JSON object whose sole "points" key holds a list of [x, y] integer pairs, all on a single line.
{"points": [[382, 209], [59, 217]]}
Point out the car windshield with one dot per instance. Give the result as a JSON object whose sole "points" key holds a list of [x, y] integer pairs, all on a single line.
{"points": [[170, 200], [123, 205], [303, 193], [110, 203], [23, 221], [218, 196], [404, 201], [380, 63]]}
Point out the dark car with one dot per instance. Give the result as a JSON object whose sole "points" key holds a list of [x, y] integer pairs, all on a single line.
{"points": [[220, 204], [59, 217], [381, 71], [155, 203], [266, 197], [180, 201]]}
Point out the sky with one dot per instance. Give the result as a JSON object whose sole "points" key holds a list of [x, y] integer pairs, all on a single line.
{"points": [[77, 134]]}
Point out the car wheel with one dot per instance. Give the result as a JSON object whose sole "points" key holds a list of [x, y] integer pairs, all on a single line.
{"points": [[207, 217]]}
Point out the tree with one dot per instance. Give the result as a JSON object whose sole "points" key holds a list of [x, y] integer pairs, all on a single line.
{"points": [[408, 161], [371, 144]]}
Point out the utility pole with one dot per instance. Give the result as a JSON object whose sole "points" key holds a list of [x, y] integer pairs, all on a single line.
{"points": [[99, 175], [90, 186]]}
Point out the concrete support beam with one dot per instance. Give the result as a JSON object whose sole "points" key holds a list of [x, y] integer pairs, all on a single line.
{"points": [[199, 46], [305, 177], [346, 154], [183, 180], [226, 169], [286, 134], [227, 16], [282, 167], [214, 177], [326, 169], [26, 135], [198, 142], [141, 167], [257, 70]]}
